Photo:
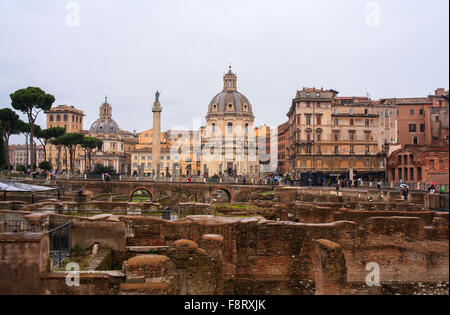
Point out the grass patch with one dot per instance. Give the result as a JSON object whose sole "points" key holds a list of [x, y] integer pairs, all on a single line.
{"points": [[267, 193], [248, 207]]}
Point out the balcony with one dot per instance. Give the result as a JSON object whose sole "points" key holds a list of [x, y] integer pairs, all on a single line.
{"points": [[356, 115]]}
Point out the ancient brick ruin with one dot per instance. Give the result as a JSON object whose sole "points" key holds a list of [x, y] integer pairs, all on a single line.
{"points": [[294, 243]]}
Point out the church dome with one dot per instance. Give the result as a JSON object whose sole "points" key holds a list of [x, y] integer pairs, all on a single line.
{"points": [[230, 100], [105, 124]]}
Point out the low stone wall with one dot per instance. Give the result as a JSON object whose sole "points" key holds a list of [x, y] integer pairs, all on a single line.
{"points": [[107, 283], [23, 258], [257, 256], [108, 234]]}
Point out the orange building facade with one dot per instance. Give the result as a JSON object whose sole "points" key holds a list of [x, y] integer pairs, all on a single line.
{"points": [[424, 138]]}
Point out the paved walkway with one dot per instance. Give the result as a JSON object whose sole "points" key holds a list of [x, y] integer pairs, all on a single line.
{"points": [[97, 259]]}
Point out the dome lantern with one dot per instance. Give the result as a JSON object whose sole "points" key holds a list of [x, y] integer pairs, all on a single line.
{"points": [[230, 81]]}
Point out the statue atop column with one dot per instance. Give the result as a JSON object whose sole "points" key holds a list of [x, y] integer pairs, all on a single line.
{"points": [[156, 104]]}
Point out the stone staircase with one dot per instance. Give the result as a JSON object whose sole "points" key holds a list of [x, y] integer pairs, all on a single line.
{"points": [[97, 259]]}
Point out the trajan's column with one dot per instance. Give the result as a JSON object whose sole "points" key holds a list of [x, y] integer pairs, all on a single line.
{"points": [[156, 133]]}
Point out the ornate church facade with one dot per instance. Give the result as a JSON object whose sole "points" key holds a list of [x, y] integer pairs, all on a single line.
{"points": [[117, 143], [229, 145]]}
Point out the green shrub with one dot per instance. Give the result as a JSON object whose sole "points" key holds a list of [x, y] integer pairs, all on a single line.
{"points": [[21, 168], [46, 166]]}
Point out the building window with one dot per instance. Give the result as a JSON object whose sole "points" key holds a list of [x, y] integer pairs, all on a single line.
{"points": [[308, 120], [367, 122], [308, 135], [319, 135], [422, 128], [393, 174], [421, 111], [308, 149], [366, 111], [58, 118], [352, 122], [367, 135], [386, 114], [335, 111], [230, 127], [308, 95], [352, 135], [412, 127], [411, 174], [415, 140], [431, 164], [336, 122], [352, 150], [319, 120], [441, 164], [51, 117], [336, 135], [437, 118], [411, 112], [319, 150], [65, 117], [317, 95], [400, 177], [419, 173], [411, 159], [367, 150], [246, 128], [351, 112], [336, 150], [213, 128]]}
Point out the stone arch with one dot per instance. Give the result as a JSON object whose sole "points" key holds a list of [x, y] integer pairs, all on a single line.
{"points": [[139, 189], [225, 190]]}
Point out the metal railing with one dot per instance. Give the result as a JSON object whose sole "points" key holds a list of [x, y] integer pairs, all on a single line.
{"points": [[246, 181], [60, 243]]}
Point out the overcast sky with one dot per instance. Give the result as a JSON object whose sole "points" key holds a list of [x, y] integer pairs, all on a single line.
{"points": [[130, 49]]}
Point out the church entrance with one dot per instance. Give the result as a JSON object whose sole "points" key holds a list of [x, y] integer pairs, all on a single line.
{"points": [[230, 169]]}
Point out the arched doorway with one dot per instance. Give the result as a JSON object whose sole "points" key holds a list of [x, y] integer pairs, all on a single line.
{"points": [[141, 195], [221, 196]]}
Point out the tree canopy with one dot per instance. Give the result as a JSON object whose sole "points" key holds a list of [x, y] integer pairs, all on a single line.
{"points": [[71, 141], [31, 101], [10, 124], [91, 143]]}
